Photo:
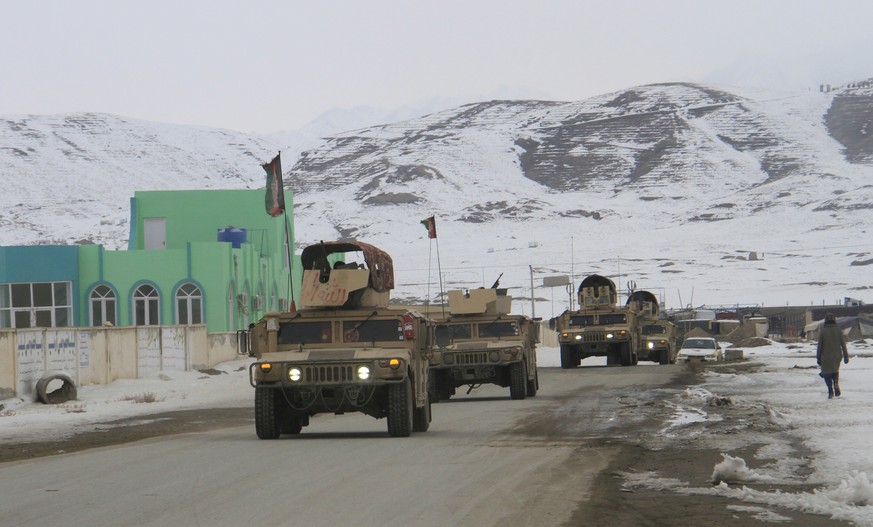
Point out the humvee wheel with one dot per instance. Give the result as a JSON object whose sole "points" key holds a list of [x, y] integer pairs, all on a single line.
{"points": [[664, 357], [517, 380], [440, 387], [626, 356], [421, 417], [533, 384], [266, 413], [568, 359], [400, 409], [292, 425]]}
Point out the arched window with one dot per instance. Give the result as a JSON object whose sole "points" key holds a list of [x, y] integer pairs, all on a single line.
{"points": [[189, 305], [146, 306], [103, 306]]}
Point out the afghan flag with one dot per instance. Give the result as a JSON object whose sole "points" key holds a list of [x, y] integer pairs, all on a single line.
{"points": [[274, 201], [430, 225]]}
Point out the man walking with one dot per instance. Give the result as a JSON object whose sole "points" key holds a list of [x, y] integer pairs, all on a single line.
{"points": [[831, 349]]}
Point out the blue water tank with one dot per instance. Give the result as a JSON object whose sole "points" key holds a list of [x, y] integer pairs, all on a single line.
{"points": [[235, 236]]}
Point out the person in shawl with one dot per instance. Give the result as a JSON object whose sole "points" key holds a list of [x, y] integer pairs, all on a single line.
{"points": [[831, 350]]}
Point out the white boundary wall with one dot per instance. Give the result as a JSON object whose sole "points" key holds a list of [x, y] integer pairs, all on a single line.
{"points": [[103, 355]]}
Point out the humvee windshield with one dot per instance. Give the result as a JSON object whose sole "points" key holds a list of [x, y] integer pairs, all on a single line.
{"points": [[498, 329], [304, 332], [458, 331], [372, 330], [582, 321], [654, 329], [613, 318]]}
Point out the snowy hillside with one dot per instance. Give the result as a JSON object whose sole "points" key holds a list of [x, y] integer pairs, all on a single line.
{"points": [[674, 186]]}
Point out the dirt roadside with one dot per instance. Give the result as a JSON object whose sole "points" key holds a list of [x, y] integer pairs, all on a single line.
{"points": [[131, 429]]}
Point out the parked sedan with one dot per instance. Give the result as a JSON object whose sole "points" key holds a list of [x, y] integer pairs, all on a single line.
{"points": [[700, 348]]}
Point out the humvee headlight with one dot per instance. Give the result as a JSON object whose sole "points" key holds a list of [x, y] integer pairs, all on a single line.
{"points": [[448, 359], [394, 363], [294, 374], [610, 336], [265, 367], [650, 344], [363, 373], [494, 356], [578, 337]]}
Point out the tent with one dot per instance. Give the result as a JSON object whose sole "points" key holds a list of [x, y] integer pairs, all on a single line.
{"points": [[855, 328]]}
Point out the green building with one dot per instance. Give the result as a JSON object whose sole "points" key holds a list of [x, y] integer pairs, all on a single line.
{"points": [[211, 257]]}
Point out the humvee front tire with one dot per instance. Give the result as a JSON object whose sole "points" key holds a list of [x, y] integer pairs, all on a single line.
{"points": [[267, 415], [517, 380], [292, 425], [533, 385], [400, 409], [440, 385], [626, 356], [568, 358], [421, 417], [664, 357]]}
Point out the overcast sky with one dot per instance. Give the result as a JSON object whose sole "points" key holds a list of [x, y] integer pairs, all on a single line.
{"points": [[274, 65]]}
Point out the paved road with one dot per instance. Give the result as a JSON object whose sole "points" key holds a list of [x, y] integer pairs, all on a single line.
{"points": [[486, 460]]}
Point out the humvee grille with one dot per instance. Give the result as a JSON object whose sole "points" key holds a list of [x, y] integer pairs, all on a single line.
{"points": [[328, 374], [594, 337], [472, 358]]}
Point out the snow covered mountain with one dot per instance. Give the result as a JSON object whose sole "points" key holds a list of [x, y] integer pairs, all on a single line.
{"points": [[696, 193]]}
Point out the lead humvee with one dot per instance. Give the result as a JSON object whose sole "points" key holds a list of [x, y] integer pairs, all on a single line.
{"points": [[345, 351], [479, 342]]}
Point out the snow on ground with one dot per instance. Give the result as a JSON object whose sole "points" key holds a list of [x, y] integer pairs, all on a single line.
{"points": [[225, 386], [837, 431]]}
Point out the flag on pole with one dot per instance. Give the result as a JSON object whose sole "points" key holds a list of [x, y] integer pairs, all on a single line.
{"points": [[430, 225], [274, 201]]}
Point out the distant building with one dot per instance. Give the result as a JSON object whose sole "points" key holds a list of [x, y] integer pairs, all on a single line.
{"points": [[211, 257]]}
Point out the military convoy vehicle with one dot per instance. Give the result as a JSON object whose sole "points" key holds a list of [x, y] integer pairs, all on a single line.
{"points": [[657, 336], [344, 351], [624, 335], [479, 342]]}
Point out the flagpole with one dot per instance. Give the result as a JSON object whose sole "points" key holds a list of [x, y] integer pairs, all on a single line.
{"points": [[440, 273], [429, 262], [292, 307]]}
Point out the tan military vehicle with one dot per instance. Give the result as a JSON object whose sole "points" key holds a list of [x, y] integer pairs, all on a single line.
{"points": [[479, 342], [599, 327], [658, 336], [345, 351]]}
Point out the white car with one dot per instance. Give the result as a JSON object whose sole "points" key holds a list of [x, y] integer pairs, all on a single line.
{"points": [[700, 348]]}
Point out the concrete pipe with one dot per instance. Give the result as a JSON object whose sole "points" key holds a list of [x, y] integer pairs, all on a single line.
{"points": [[67, 391]]}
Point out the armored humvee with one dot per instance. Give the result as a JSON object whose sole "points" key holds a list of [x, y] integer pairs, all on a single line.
{"points": [[599, 327], [479, 342], [345, 351], [658, 336]]}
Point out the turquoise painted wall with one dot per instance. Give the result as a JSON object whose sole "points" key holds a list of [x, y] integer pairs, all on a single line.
{"points": [[228, 277], [42, 263], [192, 254]]}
